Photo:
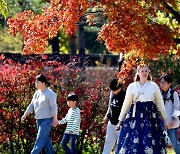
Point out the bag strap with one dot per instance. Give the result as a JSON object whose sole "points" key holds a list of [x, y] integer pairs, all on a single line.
{"points": [[172, 96]]}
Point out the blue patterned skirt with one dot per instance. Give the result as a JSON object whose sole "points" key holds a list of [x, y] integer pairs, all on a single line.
{"points": [[143, 133]]}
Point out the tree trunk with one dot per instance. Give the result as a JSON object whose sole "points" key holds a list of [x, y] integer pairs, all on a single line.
{"points": [[121, 60], [55, 45], [81, 42], [177, 40], [72, 45]]}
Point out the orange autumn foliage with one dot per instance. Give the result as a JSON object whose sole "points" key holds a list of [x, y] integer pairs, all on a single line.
{"points": [[129, 28]]}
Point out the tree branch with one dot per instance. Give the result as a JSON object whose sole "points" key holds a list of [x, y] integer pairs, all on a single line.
{"points": [[175, 13], [177, 40]]}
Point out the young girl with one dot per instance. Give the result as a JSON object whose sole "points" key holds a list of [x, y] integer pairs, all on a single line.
{"points": [[141, 132]]}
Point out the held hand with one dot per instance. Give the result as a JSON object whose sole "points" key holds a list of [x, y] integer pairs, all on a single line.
{"points": [[118, 126], [23, 118], [165, 125], [55, 123], [70, 132], [171, 124]]}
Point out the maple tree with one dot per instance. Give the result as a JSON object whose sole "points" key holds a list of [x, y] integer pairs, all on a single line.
{"points": [[130, 28]]}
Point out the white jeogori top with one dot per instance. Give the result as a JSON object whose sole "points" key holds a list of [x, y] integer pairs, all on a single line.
{"points": [[148, 92]]}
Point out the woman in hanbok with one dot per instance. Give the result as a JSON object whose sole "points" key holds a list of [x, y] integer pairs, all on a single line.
{"points": [[142, 111]]}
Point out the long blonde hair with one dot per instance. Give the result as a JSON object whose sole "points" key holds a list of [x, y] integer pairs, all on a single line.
{"points": [[137, 78]]}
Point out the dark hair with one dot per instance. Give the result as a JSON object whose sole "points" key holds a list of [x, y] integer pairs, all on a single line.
{"points": [[137, 78], [42, 79], [115, 85], [72, 97], [166, 78]]}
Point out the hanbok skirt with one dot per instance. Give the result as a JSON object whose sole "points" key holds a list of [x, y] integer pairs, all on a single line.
{"points": [[142, 134]]}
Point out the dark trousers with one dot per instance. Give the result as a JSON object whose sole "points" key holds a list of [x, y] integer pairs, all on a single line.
{"points": [[72, 138]]}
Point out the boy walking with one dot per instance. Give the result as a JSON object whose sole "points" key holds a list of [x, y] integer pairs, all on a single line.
{"points": [[73, 120]]}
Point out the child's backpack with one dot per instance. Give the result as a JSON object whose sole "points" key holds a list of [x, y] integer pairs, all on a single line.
{"points": [[171, 95]]}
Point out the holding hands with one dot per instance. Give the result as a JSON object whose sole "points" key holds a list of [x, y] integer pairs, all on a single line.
{"points": [[118, 126], [55, 122], [171, 124]]}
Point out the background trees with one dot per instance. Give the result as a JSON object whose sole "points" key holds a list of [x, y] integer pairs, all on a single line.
{"points": [[142, 30], [131, 27], [3, 8]]}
